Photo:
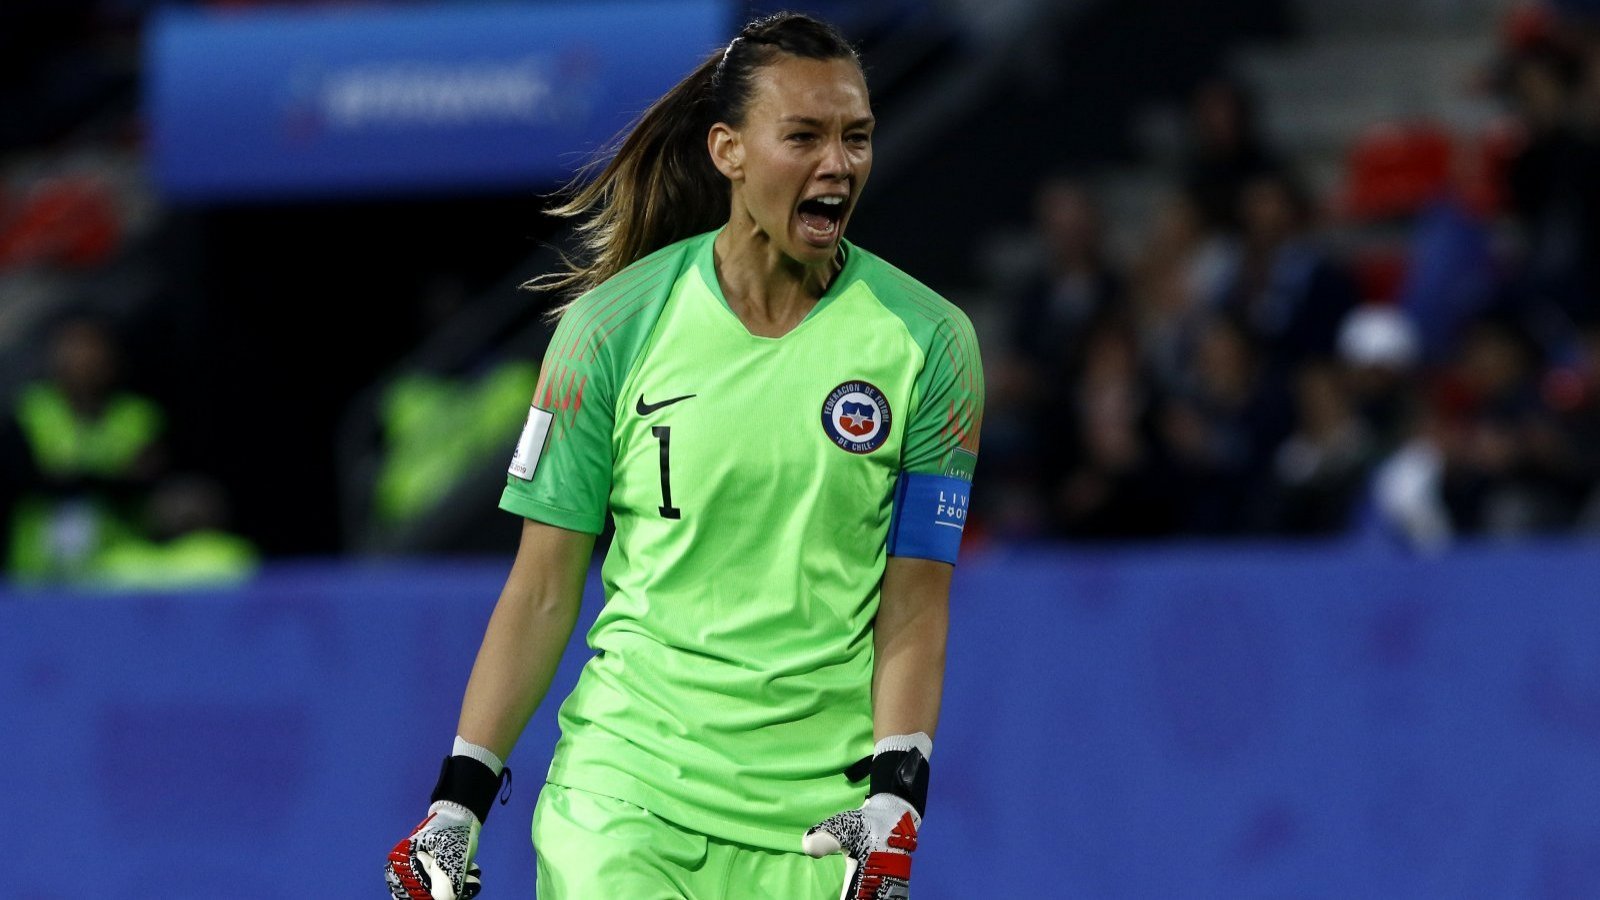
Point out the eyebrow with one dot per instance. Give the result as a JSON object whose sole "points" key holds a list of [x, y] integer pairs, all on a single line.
{"points": [[818, 123]]}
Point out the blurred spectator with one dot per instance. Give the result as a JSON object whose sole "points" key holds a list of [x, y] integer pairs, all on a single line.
{"points": [[1574, 393], [437, 430], [1075, 283], [1407, 492], [1554, 182], [1221, 433], [1380, 352], [1180, 270], [1451, 277], [1110, 483], [1226, 150], [1047, 320], [1502, 447], [1288, 292], [91, 451], [1321, 469], [188, 546]]}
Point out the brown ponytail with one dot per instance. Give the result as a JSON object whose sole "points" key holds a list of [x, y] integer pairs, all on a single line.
{"points": [[659, 185]]}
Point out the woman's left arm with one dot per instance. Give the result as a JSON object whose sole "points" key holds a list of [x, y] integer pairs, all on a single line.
{"points": [[909, 639]]}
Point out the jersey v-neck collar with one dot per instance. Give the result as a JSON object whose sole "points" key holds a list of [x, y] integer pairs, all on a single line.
{"points": [[706, 263]]}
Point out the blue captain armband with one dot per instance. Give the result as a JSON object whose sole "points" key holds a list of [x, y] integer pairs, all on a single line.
{"points": [[930, 512]]}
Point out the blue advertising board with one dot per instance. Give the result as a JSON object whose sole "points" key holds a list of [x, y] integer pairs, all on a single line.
{"points": [[284, 102], [1188, 722]]}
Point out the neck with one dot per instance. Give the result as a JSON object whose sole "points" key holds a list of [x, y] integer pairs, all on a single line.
{"points": [[769, 292]]}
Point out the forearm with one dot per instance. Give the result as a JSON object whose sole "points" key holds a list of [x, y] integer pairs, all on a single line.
{"points": [[515, 664], [907, 677], [523, 643], [909, 644]]}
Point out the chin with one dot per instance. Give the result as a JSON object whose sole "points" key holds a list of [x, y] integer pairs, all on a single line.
{"points": [[807, 253], [810, 255]]}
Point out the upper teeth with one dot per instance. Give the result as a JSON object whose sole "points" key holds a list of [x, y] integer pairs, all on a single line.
{"points": [[831, 201]]}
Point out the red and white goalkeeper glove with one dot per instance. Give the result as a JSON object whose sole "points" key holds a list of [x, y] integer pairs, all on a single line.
{"points": [[878, 838], [435, 861]]}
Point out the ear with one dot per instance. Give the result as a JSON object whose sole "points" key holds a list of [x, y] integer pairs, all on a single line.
{"points": [[727, 151]]}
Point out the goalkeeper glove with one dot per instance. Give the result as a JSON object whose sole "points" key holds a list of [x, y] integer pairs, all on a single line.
{"points": [[879, 838], [435, 861]]}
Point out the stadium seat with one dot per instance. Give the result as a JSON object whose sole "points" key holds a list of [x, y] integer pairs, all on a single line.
{"points": [[71, 221], [1394, 169]]}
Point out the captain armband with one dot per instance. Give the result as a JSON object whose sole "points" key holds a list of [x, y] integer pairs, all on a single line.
{"points": [[930, 512]]}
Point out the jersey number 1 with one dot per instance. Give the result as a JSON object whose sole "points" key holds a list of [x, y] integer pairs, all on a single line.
{"points": [[663, 434]]}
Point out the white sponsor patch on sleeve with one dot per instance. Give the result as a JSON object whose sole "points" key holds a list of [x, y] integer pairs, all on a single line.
{"points": [[531, 445]]}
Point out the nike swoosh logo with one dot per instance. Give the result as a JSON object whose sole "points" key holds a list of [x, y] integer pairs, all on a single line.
{"points": [[645, 409]]}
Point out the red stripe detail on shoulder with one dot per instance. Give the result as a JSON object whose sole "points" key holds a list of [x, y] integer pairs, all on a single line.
{"points": [[612, 322], [629, 286], [561, 394], [937, 310]]}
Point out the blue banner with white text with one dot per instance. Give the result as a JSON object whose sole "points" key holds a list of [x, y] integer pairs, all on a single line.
{"points": [[336, 100]]}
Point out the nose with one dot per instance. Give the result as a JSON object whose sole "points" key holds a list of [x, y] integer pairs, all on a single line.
{"points": [[835, 162]]}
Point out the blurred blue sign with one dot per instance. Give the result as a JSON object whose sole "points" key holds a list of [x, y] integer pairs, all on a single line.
{"points": [[1184, 722], [338, 100]]}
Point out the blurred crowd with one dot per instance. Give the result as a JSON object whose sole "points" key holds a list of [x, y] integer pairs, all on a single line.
{"points": [[1412, 353], [85, 477], [1252, 367], [90, 492]]}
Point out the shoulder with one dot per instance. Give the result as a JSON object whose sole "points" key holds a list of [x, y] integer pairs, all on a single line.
{"points": [[623, 309], [928, 316], [637, 282]]}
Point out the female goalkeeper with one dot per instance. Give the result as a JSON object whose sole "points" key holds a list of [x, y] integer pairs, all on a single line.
{"points": [[782, 428]]}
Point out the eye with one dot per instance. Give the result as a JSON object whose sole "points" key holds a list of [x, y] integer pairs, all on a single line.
{"points": [[859, 138], [801, 136]]}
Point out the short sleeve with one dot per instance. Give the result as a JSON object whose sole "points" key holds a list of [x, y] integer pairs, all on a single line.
{"points": [[560, 471], [934, 490], [942, 437]]}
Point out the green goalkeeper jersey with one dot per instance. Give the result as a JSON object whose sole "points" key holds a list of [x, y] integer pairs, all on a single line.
{"points": [[757, 486]]}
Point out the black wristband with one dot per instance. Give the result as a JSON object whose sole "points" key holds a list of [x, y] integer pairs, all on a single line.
{"points": [[903, 773], [472, 784]]}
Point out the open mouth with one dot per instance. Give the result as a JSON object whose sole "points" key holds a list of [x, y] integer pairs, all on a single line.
{"points": [[821, 216]]}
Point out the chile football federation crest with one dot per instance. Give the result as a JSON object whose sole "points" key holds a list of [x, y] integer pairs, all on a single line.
{"points": [[856, 417]]}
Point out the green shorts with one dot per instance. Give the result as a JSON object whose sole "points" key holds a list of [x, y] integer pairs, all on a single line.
{"points": [[590, 846]]}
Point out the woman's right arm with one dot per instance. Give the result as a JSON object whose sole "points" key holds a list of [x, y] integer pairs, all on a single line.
{"points": [[526, 635]]}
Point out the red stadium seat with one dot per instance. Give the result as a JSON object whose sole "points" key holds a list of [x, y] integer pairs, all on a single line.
{"points": [[1394, 169], [69, 221]]}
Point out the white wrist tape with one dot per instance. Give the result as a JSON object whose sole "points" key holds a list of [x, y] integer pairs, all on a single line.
{"points": [[919, 741], [464, 747]]}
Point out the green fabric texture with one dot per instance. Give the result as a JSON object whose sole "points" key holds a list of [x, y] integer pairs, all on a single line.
{"points": [[590, 845], [731, 685]]}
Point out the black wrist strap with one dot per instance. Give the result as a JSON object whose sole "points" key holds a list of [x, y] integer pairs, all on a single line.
{"points": [[903, 773], [472, 784]]}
